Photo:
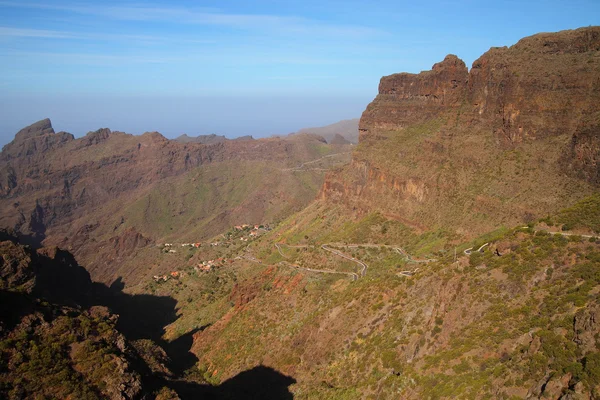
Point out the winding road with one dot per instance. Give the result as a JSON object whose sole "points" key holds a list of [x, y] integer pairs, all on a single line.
{"points": [[364, 266], [470, 249], [353, 275], [401, 251], [564, 233]]}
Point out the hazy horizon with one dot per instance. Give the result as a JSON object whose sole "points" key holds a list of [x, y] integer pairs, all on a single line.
{"points": [[236, 68], [174, 116]]}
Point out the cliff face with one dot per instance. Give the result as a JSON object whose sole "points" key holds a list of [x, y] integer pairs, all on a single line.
{"points": [[544, 85], [406, 98], [516, 137]]}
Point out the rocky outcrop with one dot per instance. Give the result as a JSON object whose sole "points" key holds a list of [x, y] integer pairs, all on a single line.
{"points": [[582, 158], [40, 128], [96, 137], [587, 329], [531, 89], [407, 98], [128, 241], [201, 139], [443, 145], [245, 137], [34, 140], [15, 267]]}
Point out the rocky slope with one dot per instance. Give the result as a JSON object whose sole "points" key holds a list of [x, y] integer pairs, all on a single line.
{"points": [[449, 161], [50, 346], [517, 320], [514, 138]]}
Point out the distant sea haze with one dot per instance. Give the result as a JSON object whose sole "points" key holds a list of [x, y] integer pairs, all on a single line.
{"points": [[172, 116]]}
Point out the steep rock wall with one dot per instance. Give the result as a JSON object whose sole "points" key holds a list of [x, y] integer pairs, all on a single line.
{"points": [[514, 138]]}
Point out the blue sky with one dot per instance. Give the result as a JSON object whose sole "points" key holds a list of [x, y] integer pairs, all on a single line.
{"points": [[237, 67]]}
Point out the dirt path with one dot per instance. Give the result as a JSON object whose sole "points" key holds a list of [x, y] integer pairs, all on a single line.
{"points": [[301, 166]]}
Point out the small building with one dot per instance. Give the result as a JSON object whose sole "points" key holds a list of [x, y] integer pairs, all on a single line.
{"points": [[203, 268]]}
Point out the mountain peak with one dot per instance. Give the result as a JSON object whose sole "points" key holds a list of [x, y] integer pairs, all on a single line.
{"points": [[40, 128], [450, 61]]}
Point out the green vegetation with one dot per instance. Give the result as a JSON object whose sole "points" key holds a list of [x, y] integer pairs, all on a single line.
{"points": [[584, 214], [73, 357]]}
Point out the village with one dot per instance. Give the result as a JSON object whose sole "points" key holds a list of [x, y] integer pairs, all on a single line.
{"points": [[242, 233]]}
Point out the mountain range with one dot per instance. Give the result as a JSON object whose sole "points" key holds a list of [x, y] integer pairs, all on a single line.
{"points": [[452, 253]]}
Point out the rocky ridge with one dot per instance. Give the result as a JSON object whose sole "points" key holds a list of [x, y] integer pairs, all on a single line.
{"points": [[56, 188]]}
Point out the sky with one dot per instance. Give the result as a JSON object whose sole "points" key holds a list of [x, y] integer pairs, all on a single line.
{"points": [[237, 67]]}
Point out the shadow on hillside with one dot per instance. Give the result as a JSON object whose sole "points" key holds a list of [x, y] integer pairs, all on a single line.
{"points": [[260, 382], [60, 280], [141, 316], [179, 352], [13, 307]]}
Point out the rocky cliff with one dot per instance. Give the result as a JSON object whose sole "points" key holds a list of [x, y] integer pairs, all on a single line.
{"points": [[514, 138]]}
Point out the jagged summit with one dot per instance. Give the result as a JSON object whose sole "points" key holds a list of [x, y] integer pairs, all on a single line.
{"points": [[42, 127], [35, 139]]}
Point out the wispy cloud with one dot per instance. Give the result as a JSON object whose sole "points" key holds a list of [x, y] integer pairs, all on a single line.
{"points": [[6, 31], [226, 58], [90, 59], [211, 17], [35, 33]]}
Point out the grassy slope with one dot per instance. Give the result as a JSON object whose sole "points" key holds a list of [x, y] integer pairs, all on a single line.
{"points": [[483, 326], [196, 206]]}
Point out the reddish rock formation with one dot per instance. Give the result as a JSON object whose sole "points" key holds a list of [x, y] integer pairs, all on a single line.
{"points": [[445, 144], [406, 98]]}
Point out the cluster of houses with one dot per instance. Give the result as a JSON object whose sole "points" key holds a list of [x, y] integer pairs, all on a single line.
{"points": [[171, 275], [254, 230], [207, 266], [169, 246], [184, 245]]}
